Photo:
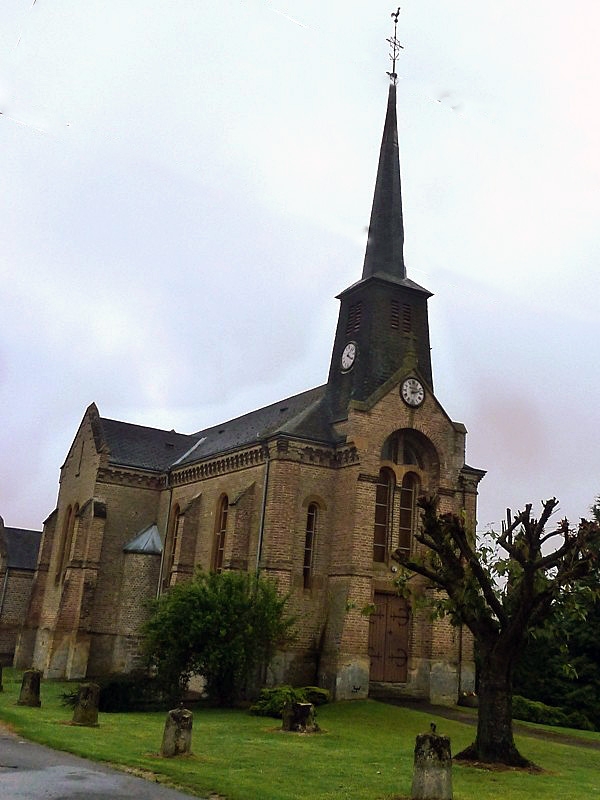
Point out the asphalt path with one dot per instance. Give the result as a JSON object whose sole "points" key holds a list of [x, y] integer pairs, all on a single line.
{"points": [[30, 771]]}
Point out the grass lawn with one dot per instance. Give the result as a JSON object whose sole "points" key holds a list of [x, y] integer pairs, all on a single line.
{"points": [[365, 752]]}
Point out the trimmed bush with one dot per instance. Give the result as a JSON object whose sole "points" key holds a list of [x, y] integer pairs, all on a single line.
{"points": [[272, 702], [316, 695]]}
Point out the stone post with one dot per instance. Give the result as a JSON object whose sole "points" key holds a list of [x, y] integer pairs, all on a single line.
{"points": [[177, 737], [30, 689], [1, 684], [86, 710], [432, 776]]}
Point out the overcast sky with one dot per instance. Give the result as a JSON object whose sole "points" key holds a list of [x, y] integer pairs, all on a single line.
{"points": [[186, 186]]}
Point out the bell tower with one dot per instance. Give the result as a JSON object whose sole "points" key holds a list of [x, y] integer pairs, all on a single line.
{"points": [[383, 317]]}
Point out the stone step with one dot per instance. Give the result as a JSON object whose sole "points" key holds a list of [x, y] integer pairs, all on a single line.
{"points": [[380, 690]]}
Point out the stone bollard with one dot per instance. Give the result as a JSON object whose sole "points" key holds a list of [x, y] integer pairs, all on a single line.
{"points": [[30, 689], [432, 776], [86, 710], [177, 738], [1, 684], [300, 717]]}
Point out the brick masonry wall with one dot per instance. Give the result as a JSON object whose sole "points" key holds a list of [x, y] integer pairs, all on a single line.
{"points": [[76, 488], [25, 645], [200, 502], [369, 428], [129, 510], [139, 582], [16, 590], [91, 614]]}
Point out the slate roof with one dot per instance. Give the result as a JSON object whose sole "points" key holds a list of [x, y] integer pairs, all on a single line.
{"points": [[385, 242], [147, 541], [300, 415], [406, 283], [22, 547], [138, 446], [146, 448]]}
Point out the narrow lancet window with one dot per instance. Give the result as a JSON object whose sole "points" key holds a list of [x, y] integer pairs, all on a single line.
{"points": [[171, 545], [309, 544], [220, 532], [384, 492], [408, 500]]}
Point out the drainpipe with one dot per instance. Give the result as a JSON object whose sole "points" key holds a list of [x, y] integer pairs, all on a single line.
{"points": [[4, 585], [261, 529], [460, 660], [461, 627], [162, 552]]}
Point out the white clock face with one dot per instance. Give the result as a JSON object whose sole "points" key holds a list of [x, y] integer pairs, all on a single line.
{"points": [[348, 355], [412, 392]]}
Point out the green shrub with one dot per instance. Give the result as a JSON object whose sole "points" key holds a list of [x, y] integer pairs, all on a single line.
{"points": [[271, 702], [577, 719], [316, 695], [224, 626], [69, 699], [535, 711]]}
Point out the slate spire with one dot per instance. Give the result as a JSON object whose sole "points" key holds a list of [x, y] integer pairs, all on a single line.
{"points": [[385, 246], [383, 324]]}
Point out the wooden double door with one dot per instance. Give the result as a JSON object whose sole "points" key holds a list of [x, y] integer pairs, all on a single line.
{"points": [[388, 638]]}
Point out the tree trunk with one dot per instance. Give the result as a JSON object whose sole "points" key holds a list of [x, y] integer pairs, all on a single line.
{"points": [[495, 742]]}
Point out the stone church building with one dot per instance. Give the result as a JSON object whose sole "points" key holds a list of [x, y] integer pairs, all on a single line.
{"points": [[18, 558], [315, 491]]}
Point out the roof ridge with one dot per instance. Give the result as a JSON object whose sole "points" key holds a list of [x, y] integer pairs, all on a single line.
{"points": [[145, 427], [260, 408]]}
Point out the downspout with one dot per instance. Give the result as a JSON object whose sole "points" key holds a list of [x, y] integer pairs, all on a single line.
{"points": [[4, 585], [261, 529], [460, 660], [162, 552], [461, 626]]}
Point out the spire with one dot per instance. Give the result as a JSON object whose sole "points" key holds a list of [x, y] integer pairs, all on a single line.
{"points": [[383, 325], [384, 254]]}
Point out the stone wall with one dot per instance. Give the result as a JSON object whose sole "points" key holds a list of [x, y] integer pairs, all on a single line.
{"points": [[15, 591]]}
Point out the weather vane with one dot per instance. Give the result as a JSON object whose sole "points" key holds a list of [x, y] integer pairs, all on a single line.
{"points": [[395, 47]]}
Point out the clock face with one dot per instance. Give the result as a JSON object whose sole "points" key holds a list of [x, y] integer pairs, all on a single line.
{"points": [[412, 392], [348, 355]]}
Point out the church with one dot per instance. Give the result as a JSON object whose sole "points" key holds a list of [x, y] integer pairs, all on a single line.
{"points": [[315, 492]]}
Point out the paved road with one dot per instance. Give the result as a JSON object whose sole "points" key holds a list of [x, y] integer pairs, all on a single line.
{"points": [[32, 772]]}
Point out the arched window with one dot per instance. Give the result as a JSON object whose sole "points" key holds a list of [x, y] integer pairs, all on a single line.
{"points": [[312, 515], [403, 447], [66, 540], [63, 543], [73, 529], [384, 493], [220, 531], [408, 500], [171, 545]]}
